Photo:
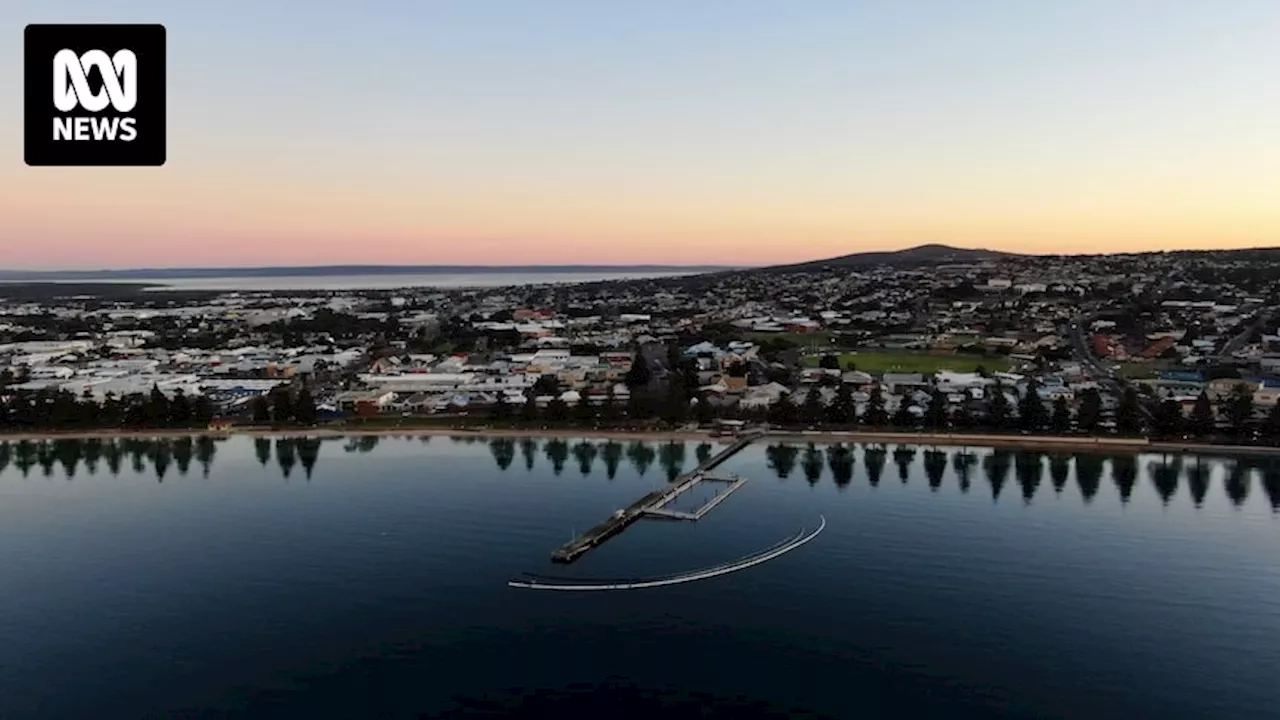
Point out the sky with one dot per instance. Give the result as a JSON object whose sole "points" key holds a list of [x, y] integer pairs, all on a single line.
{"points": [[731, 132]]}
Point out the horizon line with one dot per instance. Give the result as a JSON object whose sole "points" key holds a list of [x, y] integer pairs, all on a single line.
{"points": [[363, 266], [406, 268]]}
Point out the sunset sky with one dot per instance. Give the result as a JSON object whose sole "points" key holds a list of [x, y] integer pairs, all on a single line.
{"points": [[667, 131]]}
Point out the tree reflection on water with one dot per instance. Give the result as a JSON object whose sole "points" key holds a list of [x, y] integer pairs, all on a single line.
{"points": [[181, 456]]}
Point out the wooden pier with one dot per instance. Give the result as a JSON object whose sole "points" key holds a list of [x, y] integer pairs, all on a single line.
{"points": [[653, 504]]}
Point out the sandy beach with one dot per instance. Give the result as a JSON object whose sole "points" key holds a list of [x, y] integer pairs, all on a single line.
{"points": [[1025, 442]]}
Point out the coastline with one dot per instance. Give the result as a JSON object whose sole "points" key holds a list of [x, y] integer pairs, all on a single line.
{"points": [[1049, 443]]}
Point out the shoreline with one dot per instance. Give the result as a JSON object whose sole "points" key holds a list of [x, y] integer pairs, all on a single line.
{"points": [[824, 437]]}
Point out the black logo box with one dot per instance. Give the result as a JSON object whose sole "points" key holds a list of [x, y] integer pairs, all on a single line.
{"points": [[42, 42]]}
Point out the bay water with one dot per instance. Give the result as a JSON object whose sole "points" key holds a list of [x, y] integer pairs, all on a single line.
{"points": [[366, 577]]}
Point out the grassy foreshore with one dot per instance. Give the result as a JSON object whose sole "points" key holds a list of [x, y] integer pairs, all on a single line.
{"points": [[1025, 442]]}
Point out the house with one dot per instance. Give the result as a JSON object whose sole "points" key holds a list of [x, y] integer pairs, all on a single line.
{"points": [[1158, 348], [727, 427], [899, 383], [801, 325], [364, 403], [1053, 393], [1105, 346], [385, 366], [411, 402], [1266, 396], [1220, 388], [957, 382], [857, 378], [825, 395], [762, 396], [813, 375]]}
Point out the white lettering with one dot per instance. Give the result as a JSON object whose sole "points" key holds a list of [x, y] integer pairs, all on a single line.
{"points": [[104, 128], [95, 128], [61, 128]]}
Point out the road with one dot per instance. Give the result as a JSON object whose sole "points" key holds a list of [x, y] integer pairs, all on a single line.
{"points": [[1242, 337], [1081, 346], [1105, 376]]}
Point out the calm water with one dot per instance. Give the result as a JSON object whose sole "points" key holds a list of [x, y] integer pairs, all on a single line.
{"points": [[366, 577], [389, 282]]}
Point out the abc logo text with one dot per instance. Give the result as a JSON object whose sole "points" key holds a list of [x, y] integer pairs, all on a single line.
{"points": [[71, 90]]}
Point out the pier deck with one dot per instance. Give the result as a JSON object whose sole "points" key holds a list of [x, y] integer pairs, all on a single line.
{"points": [[706, 507], [655, 501]]}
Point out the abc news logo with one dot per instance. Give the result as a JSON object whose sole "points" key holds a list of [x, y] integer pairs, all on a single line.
{"points": [[107, 105], [71, 90]]}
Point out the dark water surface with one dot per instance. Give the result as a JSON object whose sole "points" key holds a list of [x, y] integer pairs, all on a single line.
{"points": [[367, 578]]}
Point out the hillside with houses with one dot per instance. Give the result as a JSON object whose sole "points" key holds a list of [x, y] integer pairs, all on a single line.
{"points": [[1165, 344]]}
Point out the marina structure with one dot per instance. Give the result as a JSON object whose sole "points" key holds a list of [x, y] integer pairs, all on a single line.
{"points": [[654, 504]]}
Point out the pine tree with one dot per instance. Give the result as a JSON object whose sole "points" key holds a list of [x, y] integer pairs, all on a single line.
{"points": [[1061, 420], [902, 417], [546, 385], [841, 410], [1271, 427], [874, 414], [499, 411], [1031, 415], [688, 376], [261, 410], [557, 410], [935, 416], [1168, 419], [529, 411], [1090, 410], [609, 410], [281, 406], [639, 375], [156, 411], [1202, 421], [179, 409], [675, 402], [202, 410], [783, 412], [675, 358], [812, 409], [1127, 412], [638, 407], [704, 412], [304, 410], [1239, 410], [584, 411], [998, 409]]}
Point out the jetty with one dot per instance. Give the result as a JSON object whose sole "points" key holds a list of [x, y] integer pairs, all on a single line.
{"points": [[654, 504]]}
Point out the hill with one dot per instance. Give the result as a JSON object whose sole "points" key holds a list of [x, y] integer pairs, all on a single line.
{"points": [[934, 254]]}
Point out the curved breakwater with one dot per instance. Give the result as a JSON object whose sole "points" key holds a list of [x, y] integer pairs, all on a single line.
{"points": [[537, 582]]}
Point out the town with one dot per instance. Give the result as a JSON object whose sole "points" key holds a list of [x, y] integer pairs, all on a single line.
{"points": [[1161, 345]]}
